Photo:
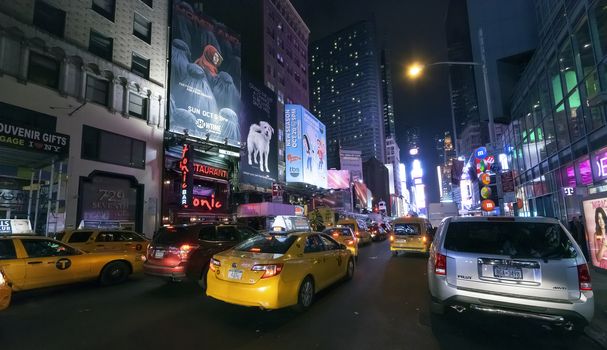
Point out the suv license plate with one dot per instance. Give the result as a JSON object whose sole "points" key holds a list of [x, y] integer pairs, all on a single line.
{"points": [[235, 274], [515, 273], [159, 254]]}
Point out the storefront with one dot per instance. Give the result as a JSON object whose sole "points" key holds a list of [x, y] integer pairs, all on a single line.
{"points": [[203, 196]]}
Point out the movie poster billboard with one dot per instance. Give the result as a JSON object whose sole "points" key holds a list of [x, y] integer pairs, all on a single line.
{"points": [[595, 222], [204, 76], [338, 179], [306, 147], [259, 151]]}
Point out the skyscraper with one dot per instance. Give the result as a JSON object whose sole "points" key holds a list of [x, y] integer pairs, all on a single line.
{"points": [[387, 98], [346, 91]]}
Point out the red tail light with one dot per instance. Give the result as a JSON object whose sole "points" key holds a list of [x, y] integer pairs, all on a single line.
{"points": [[214, 264], [183, 251], [269, 270], [583, 276], [335, 234], [440, 264], [350, 242]]}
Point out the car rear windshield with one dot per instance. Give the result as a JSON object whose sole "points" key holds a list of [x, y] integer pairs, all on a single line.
{"points": [[350, 226], [175, 235], [272, 244], [339, 231], [407, 229], [515, 239]]}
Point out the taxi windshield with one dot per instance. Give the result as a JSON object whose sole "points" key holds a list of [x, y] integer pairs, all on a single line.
{"points": [[272, 244]]}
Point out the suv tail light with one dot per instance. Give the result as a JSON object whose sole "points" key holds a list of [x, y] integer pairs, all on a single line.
{"points": [[440, 264], [183, 251], [214, 264], [270, 270], [583, 276]]}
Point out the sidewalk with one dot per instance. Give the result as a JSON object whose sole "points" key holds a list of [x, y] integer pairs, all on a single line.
{"points": [[597, 330]]}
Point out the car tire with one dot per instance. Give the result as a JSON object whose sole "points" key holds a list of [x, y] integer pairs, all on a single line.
{"points": [[437, 308], [349, 270], [114, 273], [202, 281], [305, 294]]}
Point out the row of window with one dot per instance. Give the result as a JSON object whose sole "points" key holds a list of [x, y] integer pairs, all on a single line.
{"points": [[52, 20], [104, 146], [44, 70]]}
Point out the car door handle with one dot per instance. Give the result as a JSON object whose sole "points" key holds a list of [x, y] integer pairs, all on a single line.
{"points": [[34, 262]]}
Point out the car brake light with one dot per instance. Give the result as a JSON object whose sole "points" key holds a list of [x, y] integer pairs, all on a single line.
{"points": [[335, 234], [424, 239], [357, 234], [391, 238], [269, 270], [184, 250], [583, 276], [255, 250], [350, 242], [214, 264], [440, 264]]}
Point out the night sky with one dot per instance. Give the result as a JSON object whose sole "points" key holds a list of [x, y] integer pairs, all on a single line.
{"points": [[410, 30]]}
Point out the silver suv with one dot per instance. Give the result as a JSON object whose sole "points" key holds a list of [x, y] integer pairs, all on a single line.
{"points": [[520, 267]]}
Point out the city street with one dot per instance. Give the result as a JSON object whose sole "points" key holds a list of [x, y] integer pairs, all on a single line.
{"points": [[385, 306]]}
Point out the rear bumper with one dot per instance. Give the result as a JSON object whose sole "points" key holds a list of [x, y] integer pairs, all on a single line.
{"points": [[269, 293], [408, 248], [556, 312], [176, 272]]}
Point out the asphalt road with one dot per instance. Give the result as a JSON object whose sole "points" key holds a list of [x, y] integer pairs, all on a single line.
{"points": [[385, 306]]}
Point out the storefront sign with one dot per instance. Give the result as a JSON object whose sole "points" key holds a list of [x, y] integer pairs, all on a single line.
{"points": [[5, 226], [488, 205], [106, 198], [480, 153], [33, 139], [569, 191], [207, 203], [599, 164], [486, 179], [186, 166], [210, 171], [595, 219]]}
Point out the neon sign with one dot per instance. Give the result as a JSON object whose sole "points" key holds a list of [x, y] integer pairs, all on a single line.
{"points": [[207, 170], [187, 175], [204, 202]]}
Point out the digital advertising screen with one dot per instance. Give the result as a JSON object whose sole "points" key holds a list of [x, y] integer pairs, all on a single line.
{"points": [[338, 179], [204, 76], [595, 222], [306, 147]]}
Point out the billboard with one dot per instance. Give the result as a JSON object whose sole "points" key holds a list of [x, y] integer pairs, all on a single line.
{"points": [[205, 77], [595, 222], [259, 154], [338, 179], [305, 145]]}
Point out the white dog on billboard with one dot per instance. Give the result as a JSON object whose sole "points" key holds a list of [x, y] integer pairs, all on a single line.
{"points": [[258, 144]]}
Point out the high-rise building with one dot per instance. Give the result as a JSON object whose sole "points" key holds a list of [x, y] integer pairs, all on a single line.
{"points": [[274, 50], [351, 160], [84, 89], [393, 158], [377, 178], [387, 95], [412, 139], [558, 132], [346, 91]]}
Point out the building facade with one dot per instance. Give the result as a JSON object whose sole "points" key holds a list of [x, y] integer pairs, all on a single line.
{"points": [[387, 95], [82, 112], [377, 180], [557, 138], [346, 91]]}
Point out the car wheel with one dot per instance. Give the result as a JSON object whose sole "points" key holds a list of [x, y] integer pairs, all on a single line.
{"points": [[305, 296], [349, 270], [114, 273], [202, 281]]}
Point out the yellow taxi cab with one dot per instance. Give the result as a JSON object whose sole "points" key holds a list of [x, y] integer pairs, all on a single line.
{"points": [[359, 229], [277, 271], [5, 292], [95, 240], [31, 262], [344, 235], [410, 234]]}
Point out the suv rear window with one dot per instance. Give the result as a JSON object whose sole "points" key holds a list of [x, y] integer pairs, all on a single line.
{"points": [[528, 240], [273, 244], [176, 235], [407, 229], [340, 231]]}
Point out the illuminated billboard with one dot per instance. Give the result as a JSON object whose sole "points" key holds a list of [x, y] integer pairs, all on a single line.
{"points": [[205, 77], [306, 147], [595, 217], [338, 179]]}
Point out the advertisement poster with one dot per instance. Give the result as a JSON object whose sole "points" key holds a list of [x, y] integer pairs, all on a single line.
{"points": [[361, 198], [259, 154], [595, 221], [306, 147], [338, 179], [205, 77]]}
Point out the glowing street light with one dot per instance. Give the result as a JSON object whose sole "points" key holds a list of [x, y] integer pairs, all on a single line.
{"points": [[415, 70]]}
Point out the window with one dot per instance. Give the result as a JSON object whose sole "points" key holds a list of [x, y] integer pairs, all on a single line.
{"points": [[600, 13], [176, 235], [7, 249], [106, 8], [49, 18], [101, 45], [97, 90], [118, 236], [103, 146], [40, 248], [43, 70], [329, 243], [80, 236], [584, 49], [140, 66], [207, 233], [274, 244], [567, 66], [148, 2], [142, 28], [313, 244], [138, 106], [407, 229], [227, 234]]}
